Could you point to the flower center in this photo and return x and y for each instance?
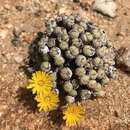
(41, 82)
(47, 98)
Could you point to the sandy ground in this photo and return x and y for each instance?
(26, 18)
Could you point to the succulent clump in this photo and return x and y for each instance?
(79, 55)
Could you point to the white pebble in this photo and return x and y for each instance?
(106, 7)
(18, 59)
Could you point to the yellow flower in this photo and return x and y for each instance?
(41, 82)
(72, 114)
(48, 101)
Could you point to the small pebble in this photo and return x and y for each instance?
(106, 7)
(18, 59)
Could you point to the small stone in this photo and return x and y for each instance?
(3, 108)
(106, 7)
(3, 34)
(18, 59)
(62, 9)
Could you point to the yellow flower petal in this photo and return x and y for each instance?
(72, 114)
(47, 102)
(41, 82)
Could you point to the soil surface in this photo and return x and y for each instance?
(20, 20)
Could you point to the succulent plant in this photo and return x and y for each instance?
(69, 99)
(59, 60)
(51, 42)
(73, 93)
(80, 60)
(88, 50)
(46, 57)
(68, 87)
(94, 85)
(68, 55)
(105, 80)
(77, 54)
(84, 80)
(66, 73)
(74, 50)
(44, 50)
(99, 94)
(45, 66)
(55, 51)
(101, 74)
(93, 74)
(96, 33)
(85, 94)
(80, 71)
(89, 36)
(75, 83)
(76, 42)
(98, 62)
(101, 51)
(63, 45)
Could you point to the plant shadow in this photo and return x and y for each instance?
(27, 99)
(56, 117)
(33, 61)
